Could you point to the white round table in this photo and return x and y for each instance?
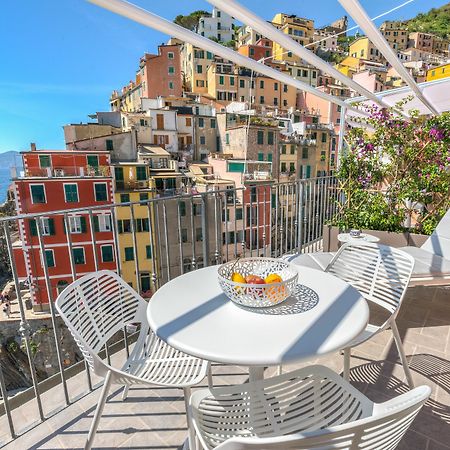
(192, 314)
(346, 237)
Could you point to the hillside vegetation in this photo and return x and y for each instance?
(435, 21)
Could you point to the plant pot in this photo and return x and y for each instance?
(393, 239)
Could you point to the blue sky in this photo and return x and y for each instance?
(60, 59)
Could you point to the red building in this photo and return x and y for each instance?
(161, 73)
(57, 180)
(261, 50)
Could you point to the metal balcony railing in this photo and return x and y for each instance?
(177, 234)
(60, 172)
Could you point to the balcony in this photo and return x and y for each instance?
(51, 396)
(60, 172)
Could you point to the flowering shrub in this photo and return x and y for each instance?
(398, 168)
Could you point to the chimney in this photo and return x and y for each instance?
(33, 147)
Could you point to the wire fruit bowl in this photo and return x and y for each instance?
(258, 295)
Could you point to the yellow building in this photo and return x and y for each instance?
(298, 28)
(222, 81)
(136, 237)
(396, 34)
(439, 72)
(195, 63)
(362, 48)
(349, 66)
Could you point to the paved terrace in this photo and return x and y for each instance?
(154, 418)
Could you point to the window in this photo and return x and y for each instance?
(252, 51)
(77, 224)
(238, 213)
(261, 84)
(270, 137)
(260, 137)
(198, 235)
(242, 83)
(275, 101)
(148, 251)
(78, 255)
(188, 121)
(171, 70)
(305, 153)
(260, 156)
(124, 226)
(184, 235)
(283, 149)
(129, 254)
(285, 88)
(221, 80)
(292, 167)
(209, 55)
(109, 145)
(170, 55)
(71, 193)
(227, 138)
(142, 225)
(201, 122)
(275, 86)
(199, 68)
(141, 173)
(261, 99)
(213, 123)
(324, 137)
(92, 160)
(171, 85)
(50, 258)
(143, 196)
(231, 81)
(102, 222)
(101, 194)
(37, 193)
(47, 227)
(124, 198)
(44, 161)
(197, 209)
(107, 253)
(283, 167)
(202, 140)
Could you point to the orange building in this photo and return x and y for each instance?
(58, 180)
(261, 50)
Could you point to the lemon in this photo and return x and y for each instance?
(273, 278)
(237, 278)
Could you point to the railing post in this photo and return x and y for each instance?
(205, 231)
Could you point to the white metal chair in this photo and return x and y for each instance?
(100, 304)
(381, 274)
(311, 408)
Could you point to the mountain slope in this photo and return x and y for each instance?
(435, 21)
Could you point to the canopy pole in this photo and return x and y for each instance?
(342, 124)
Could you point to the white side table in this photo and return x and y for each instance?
(345, 237)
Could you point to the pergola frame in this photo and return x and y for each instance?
(235, 9)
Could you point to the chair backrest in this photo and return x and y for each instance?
(95, 307)
(379, 272)
(439, 242)
(383, 430)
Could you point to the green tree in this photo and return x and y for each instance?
(191, 20)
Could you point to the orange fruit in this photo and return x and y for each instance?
(273, 278)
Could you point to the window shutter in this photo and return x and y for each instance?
(83, 224)
(51, 227)
(96, 225)
(120, 226)
(64, 225)
(33, 227)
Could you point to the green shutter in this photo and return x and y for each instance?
(120, 226)
(260, 156)
(83, 224)
(269, 157)
(148, 250)
(33, 227)
(64, 225)
(96, 225)
(92, 160)
(49, 258)
(51, 226)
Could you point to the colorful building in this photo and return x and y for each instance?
(362, 48)
(299, 29)
(439, 72)
(55, 180)
(396, 34)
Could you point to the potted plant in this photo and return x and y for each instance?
(394, 178)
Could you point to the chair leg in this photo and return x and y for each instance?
(210, 376)
(125, 392)
(401, 352)
(280, 369)
(98, 412)
(191, 432)
(347, 355)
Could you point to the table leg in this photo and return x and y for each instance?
(255, 373)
